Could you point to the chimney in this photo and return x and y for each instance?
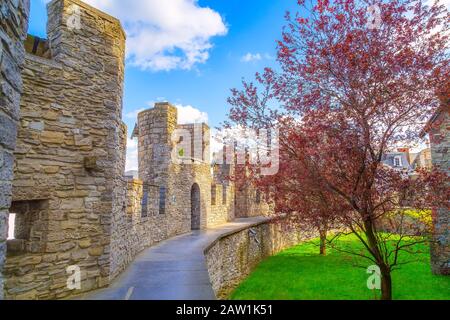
(405, 150)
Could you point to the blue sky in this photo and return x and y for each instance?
(241, 40)
(253, 27)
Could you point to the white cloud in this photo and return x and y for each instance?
(132, 155)
(133, 114)
(216, 143)
(253, 57)
(189, 114)
(250, 57)
(186, 113)
(165, 35)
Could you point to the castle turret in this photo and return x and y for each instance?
(174, 167)
(13, 27)
(68, 187)
(155, 127)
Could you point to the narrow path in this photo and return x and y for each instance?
(174, 269)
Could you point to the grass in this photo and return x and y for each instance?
(300, 273)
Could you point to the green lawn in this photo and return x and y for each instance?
(300, 273)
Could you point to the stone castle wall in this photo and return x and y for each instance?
(69, 156)
(223, 193)
(195, 142)
(13, 28)
(223, 209)
(72, 203)
(141, 228)
(155, 146)
(159, 202)
(159, 135)
(232, 257)
(118, 245)
(440, 155)
(132, 232)
(135, 189)
(249, 203)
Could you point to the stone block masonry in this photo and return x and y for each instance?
(233, 256)
(70, 157)
(440, 155)
(13, 27)
(62, 161)
(71, 202)
(156, 129)
(250, 202)
(222, 209)
(169, 198)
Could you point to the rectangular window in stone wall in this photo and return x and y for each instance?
(213, 195)
(30, 227)
(144, 207)
(162, 200)
(224, 194)
(11, 226)
(258, 196)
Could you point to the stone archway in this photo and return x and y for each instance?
(195, 207)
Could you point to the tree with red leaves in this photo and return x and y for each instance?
(357, 80)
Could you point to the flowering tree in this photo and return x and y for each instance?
(296, 190)
(357, 79)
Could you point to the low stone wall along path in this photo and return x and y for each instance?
(174, 269)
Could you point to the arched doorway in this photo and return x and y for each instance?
(195, 207)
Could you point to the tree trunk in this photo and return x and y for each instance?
(386, 280)
(323, 243)
(386, 284)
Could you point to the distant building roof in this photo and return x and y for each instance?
(397, 160)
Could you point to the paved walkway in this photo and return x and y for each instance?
(174, 269)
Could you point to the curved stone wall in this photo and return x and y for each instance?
(233, 256)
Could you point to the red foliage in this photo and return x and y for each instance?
(346, 95)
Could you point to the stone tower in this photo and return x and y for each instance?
(13, 28)
(168, 184)
(68, 183)
(156, 127)
(438, 130)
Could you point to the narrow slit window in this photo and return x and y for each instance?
(213, 195)
(27, 225)
(11, 226)
(162, 200)
(258, 196)
(144, 209)
(224, 194)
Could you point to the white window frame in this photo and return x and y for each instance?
(399, 161)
